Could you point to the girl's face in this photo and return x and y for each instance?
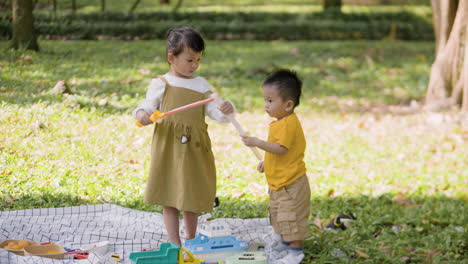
(185, 64)
(275, 106)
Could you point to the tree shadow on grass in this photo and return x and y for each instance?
(104, 99)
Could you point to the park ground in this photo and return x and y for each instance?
(371, 148)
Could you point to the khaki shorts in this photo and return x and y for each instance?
(289, 210)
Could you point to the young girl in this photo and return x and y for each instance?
(182, 172)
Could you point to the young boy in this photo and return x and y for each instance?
(284, 166)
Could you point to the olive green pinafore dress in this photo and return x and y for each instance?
(182, 172)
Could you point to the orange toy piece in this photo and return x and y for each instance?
(17, 245)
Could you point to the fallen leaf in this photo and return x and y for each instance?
(317, 222)
(26, 58)
(429, 253)
(4, 173)
(337, 239)
(128, 81)
(9, 199)
(103, 102)
(405, 259)
(402, 200)
(144, 72)
(456, 138)
(294, 51)
(408, 249)
(381, 245)
(256, 189)
(237, 193)
(61, 87)
(361, 254)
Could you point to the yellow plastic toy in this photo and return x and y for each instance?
(17, 245)
(186, 257)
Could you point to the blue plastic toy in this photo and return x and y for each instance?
(215, 249)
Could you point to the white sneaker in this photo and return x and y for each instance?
(291, 259)
(279, 246)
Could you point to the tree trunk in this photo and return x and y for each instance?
(177, 6)
(164, 2)
(448, 83)
(103, 5)
(23, 25)
(73, 2)
(134, 6)
(332, 5)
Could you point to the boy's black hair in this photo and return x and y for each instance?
(184, 37)
(288, 84)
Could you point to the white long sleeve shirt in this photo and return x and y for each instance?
(156, 88)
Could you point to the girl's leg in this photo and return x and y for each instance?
(171, 220)
(190, 222)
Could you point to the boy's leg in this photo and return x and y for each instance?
(293, 210)
(171, 221)
(190, 222)
(296, 244)
(294, 255)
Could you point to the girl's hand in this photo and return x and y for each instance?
(143, 117)
(226, 108)
(260, 167)
(250, 141)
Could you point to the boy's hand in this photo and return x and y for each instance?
(260, 167)
(143, 117)
(226, 108)
(250, 141)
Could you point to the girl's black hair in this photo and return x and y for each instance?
(184, 37)
(288, 84)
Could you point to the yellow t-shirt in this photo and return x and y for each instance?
(282, 170)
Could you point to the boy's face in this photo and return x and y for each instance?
(185, 64)
(275, 105)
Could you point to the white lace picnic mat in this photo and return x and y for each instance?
(127, 230)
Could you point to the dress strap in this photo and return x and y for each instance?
(163, 79)
(208, 93)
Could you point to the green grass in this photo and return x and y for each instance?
(403, 175)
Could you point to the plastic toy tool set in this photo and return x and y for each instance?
(214, 244)
(52, 250)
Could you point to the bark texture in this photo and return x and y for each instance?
(23, 25)
(448, 83)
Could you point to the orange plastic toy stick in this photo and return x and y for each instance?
(157, 115)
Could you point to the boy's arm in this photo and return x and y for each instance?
(260, 166)
(271, 147)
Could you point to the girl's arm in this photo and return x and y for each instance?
(218, 110)
(271, 147)
(153, 98)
